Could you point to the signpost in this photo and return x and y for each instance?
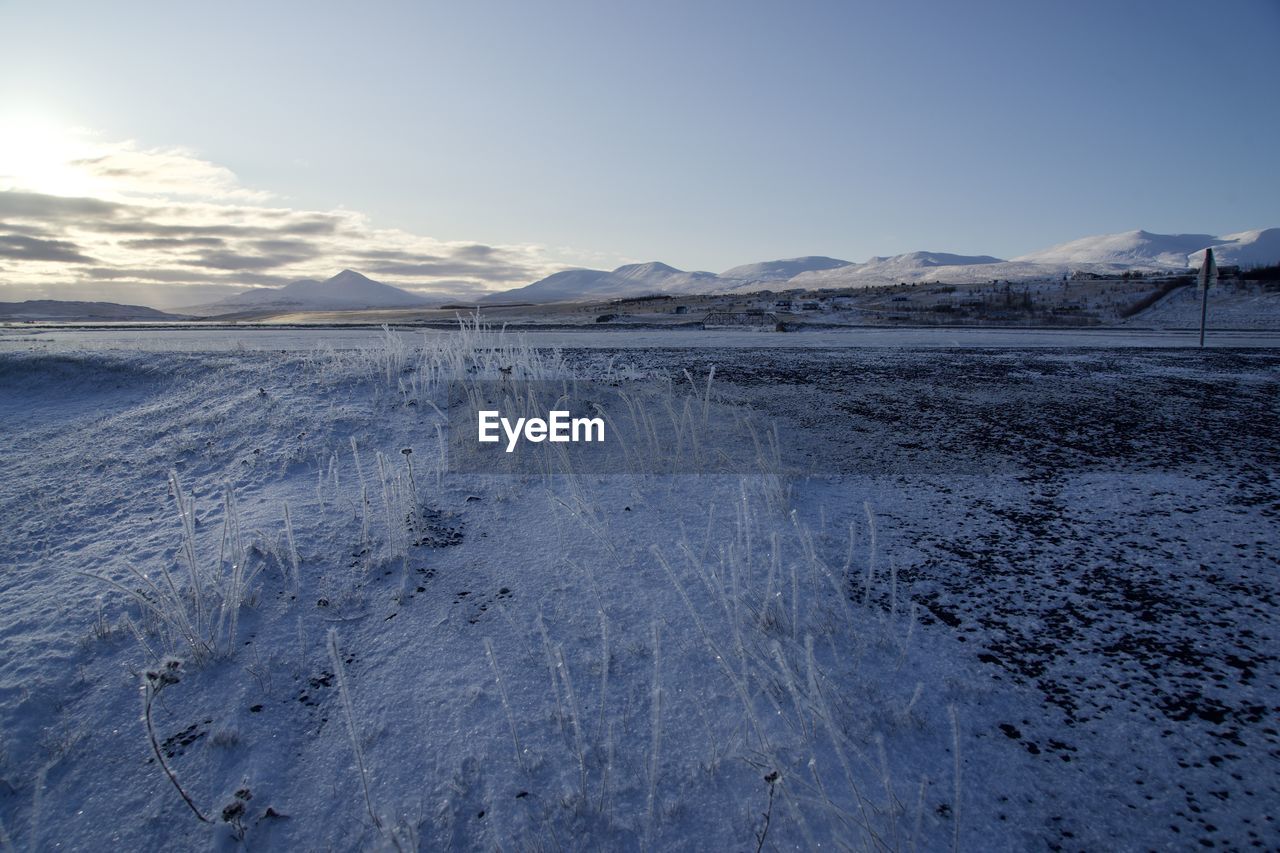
(1208, 275)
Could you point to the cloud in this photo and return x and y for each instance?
(237, 261)
(476, 251)
(301, 247)
(126, 170)
(165, 219)
(29, 205)
(25, 248)
(453, 268)
(225, 243)
(175, 243)
(179, 276)
(27, 230)
(148, 223)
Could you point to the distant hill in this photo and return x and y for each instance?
(1129, 249)
(898, 265)
(1105, 254)
(656, 277)
(346, 291)
(783, 269)
(68, 311)
(628, 280)
(1247, 249)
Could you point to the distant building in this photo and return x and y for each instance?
(682, 309)
(753, 320)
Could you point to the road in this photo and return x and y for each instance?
(196, 339)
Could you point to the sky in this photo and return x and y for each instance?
(167, 153)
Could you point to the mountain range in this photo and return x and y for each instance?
(1106, 254)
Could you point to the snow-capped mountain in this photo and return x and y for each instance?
(1143, 250)
(1105, 254)
(664, 278)
(1246, 249)
(909, 267)
(1129, 249)
(909, 264)
(783, 269)
(628, 280)
(655, 277)
(348, 290)
(915, 260)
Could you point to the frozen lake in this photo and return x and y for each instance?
(204, 339)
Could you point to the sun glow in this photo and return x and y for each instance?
(40, 155)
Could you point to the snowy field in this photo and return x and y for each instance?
(970, 589)
(1241, 307)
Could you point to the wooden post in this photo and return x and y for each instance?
(1208, 275)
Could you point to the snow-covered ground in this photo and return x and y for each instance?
(1017, 593)
(1240, 305)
